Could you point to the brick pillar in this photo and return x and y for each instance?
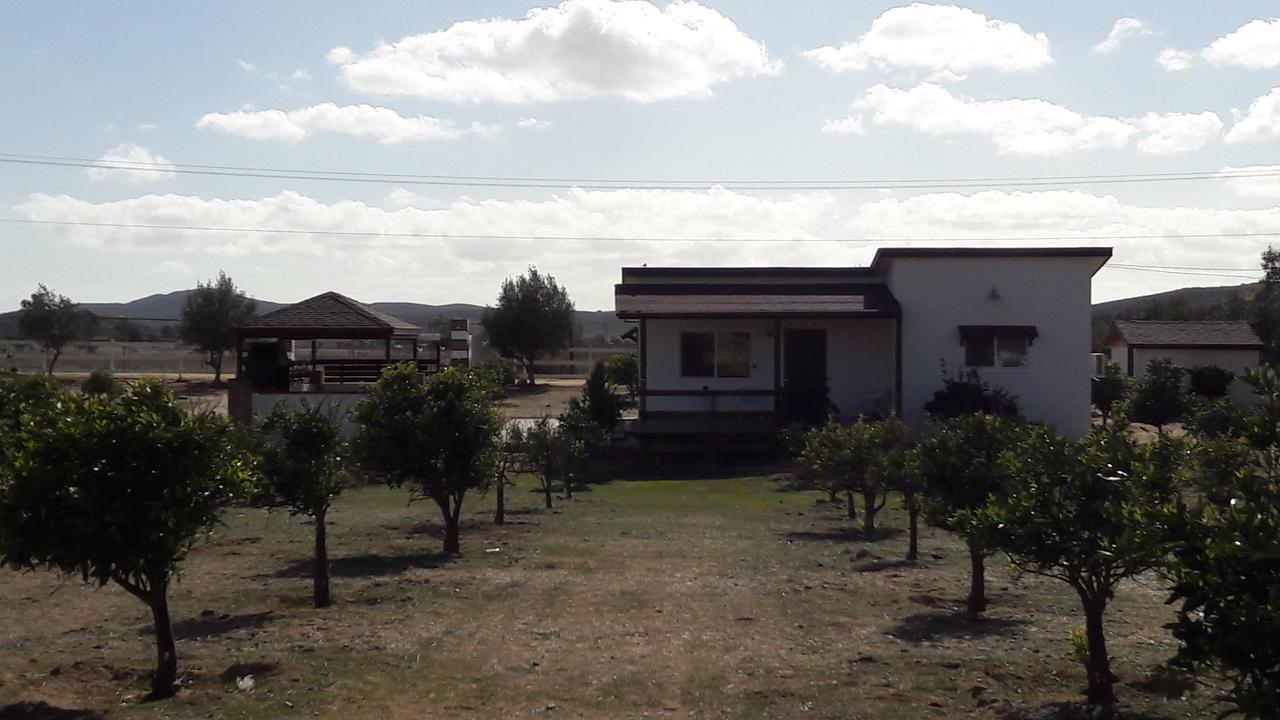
(240, 401)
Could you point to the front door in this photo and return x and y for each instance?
(804, 362)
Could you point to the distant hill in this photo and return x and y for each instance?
(155, 311)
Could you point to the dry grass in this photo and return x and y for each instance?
(721, 598)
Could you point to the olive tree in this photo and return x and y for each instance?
(533, 318)
(302, 461)
(1074, 512)
(963, 469)
(54, 321)
(210, 315)
(118, 490)
(439, 436)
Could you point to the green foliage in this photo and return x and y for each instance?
(497, 374)
(599, 402)
(1264, 307)
(54, 321)
(1221, 418)
(863, 458)
(559, 453)
(533, 318)
(1074, 512)
(623, 370)
(963, 469)
(118, 490)
(210, 314)
(1224, 551)
(1210, 381)
(438, 436)
(969, 394)
(1158, 398)
(582, 438)
(101, 382)
(125, 331)
(1110, 390)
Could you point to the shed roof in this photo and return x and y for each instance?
(1229, 334)
(635, 300)
(328, 315)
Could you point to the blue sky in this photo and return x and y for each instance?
(592, 89)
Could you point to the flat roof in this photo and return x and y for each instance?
(737, 300)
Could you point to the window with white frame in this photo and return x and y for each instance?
(715, 354)
(996, 346)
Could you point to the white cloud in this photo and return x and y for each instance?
(1175, 60)
(534, 123)
(1169, 133)
(1017, 127)
(1024, 126)
(301, 75)
(1260, 181)
(379, 123)
(1260, 123)
(469, 270)
(1123, 29)
(176, 268)
(946, 40)
(1254, 45)
(247, 66)
(576, 50)
(133, 163)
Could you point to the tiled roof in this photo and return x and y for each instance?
(331, 311)
(1188, 333)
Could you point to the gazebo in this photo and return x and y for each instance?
(269, 348)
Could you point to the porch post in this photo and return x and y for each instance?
(388, 349)
(239, 355)
(642, 350)
(777, 368)
(897, 365)
(313, 353)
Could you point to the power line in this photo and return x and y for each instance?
(636, 184)
(1166, 271)
(612, 238)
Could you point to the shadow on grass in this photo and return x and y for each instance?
(923, 627)
(210, 626)
(883, 565)
(1078, 711)
(44, 711)
(368, 565)
(845, 534)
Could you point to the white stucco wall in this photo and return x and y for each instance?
(1237, 361)
(1052, 293)
(859, 363)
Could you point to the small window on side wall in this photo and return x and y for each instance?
(733, 354)
(996, 346)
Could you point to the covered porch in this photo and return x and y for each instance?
(730, 361)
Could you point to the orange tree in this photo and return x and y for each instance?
(439, 436)
(118, 490)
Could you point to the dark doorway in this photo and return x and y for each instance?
(804, 359)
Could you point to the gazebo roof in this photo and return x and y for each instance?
(328, 316)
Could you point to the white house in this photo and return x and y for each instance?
(1229, 344)
(739, 349)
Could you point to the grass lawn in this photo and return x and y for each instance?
(699, 598)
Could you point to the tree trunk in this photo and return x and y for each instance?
(568, 486)
(165, 680)
(977, 601)
(321, 571)
(500, 514)
(528, 370)
(1097, 665)
(546, 492)
(869, 510)
(57, 353)
(913, 526)
(452, 546)
(851, 510)
(215, 362)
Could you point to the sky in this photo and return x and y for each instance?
(423, 152)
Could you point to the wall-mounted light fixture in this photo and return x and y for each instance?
(994, 294)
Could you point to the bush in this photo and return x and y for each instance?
(1222, 418)
(969, 394)
(624, 371)
(496, 374)
(598, 401)
(1210, 381)
(1109, 391)
(101, 382)
(1158, 398)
